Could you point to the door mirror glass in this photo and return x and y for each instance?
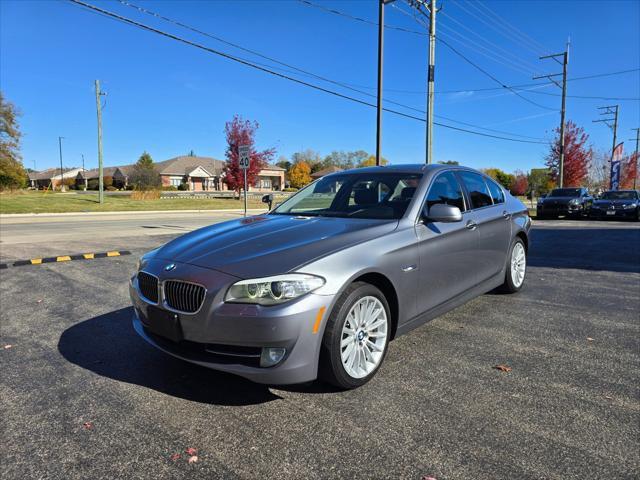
(441, 212)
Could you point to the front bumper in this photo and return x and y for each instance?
(616, 213)
(227, 337)
(561, 210)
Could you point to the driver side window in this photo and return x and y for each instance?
(446, 189)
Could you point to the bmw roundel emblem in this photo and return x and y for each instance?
(169, 267)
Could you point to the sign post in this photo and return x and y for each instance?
(244, 160)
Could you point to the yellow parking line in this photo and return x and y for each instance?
(36, 261)
(64, 258)
(113, 254)
(87, 256)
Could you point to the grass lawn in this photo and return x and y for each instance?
(41, 202)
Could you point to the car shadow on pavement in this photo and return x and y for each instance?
(108, 346)
(607, 249)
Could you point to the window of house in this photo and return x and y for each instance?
(175, 181)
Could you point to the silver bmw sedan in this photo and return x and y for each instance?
(321, 284)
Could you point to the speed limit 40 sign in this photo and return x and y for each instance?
(244, 157)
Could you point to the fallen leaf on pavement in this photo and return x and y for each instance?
(40, 301)
(193, 459)
(174, 457)
(88, 425)
(428, 477)
(191, 451)
(608, 397)
(7, 346)
(589, 339)
(503, 368)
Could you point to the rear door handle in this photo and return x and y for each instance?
(506, 214)
(471, 225)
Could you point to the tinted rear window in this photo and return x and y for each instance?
(496, 192)
(477, 188)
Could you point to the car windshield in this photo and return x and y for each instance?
(565, 192)
(373, 195)
(619, 196)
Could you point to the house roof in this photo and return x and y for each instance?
(106, 171)
(326, 171)
(50, 173)
(185, 164)
(275, 167)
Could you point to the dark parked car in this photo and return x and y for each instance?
(617, 204)
(567, 202)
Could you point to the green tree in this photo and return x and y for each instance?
(144, 175)
(283, 162)
(539, 181)
(503, 178)
(12, 172)
(449, 162)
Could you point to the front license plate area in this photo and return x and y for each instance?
(609, 212)
(163, 323)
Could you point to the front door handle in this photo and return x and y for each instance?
(506, 214)
(471, 225)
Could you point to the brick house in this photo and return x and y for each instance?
(50, 178)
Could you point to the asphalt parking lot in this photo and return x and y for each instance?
(83, 397)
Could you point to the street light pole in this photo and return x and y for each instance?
(61, 171)
(431, 79)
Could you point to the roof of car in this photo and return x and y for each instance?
(402, 168)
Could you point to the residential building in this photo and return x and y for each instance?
(50, 178)
(325, 171)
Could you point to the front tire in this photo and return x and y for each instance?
(516, 267)
(356, 337)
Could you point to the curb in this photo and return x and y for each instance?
(65, 258)
(125, 212)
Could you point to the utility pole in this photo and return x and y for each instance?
(61, 171)
(83, 174)
(635, 176)
(381, 4)
(610, 110)
(565, 62)
(99, 112)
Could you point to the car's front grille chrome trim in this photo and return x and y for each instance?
(182, 296)
(148, 287)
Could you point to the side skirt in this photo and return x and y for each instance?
(443, 308)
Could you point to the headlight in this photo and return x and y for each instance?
(142, 261)
(273, 290)
(574, 201)
(630, 206)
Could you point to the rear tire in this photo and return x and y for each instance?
(349, 360)
(516, 269)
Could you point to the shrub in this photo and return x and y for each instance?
(170, 188)
(183, 186)
(145, 195)
(289, 189)
(111, 188)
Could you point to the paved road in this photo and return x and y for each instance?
(569, 409)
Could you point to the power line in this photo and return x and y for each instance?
(491, 76)
(422, 92)
(148, 28)
(583, 96)
(306, 72)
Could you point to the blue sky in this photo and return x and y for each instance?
(168, 98)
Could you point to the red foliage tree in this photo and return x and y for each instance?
(629, 172)
(520, 184)
(577, 156)
(242, 132)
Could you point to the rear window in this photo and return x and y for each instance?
(477, 188)
(496, 192)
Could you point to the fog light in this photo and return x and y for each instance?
(271, 356)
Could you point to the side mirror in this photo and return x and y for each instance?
(444, 213)
(268, 199)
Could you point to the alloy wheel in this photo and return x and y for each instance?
(364, 337)
(518, 264)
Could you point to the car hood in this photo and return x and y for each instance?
(614, 202)
(269, 244)
(558, 200)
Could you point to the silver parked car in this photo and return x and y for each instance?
(322, 283)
